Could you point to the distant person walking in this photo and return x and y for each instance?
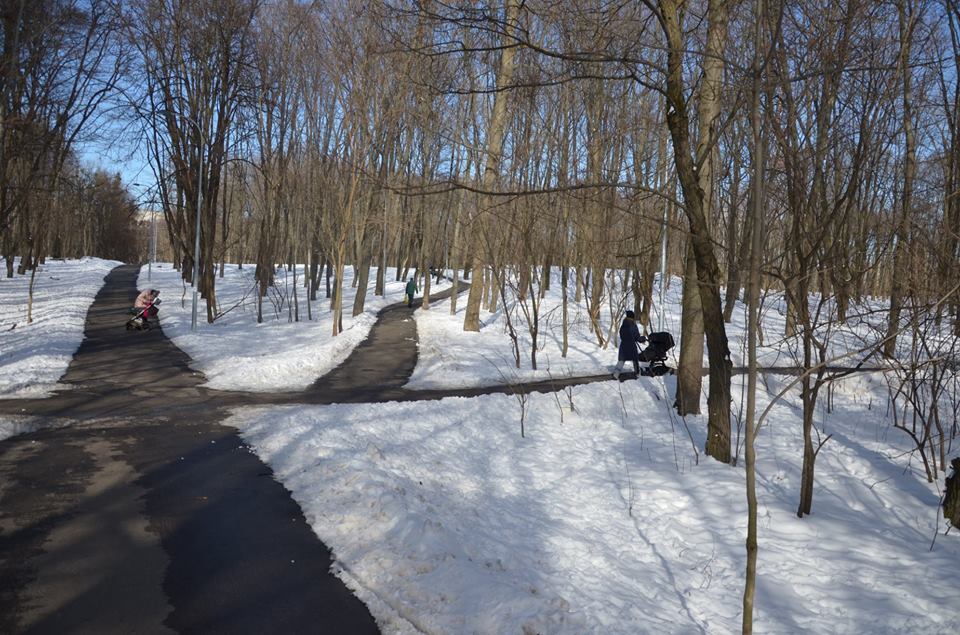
(411, 290)
(630, 340)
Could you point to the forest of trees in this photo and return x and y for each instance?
(507, 139)
(809, 147)
(500, 140)
(59, 68)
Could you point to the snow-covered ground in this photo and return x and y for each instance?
(444, 520)
(236, 353)
(604, 518)
(33, 357)
(452, 358)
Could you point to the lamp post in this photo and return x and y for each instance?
(196, 244)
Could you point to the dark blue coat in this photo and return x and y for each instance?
(629, 339)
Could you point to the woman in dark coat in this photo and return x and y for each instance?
(630, 340)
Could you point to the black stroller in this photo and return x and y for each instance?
(658, 344)
(141, 315)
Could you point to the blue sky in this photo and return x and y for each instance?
(115, 153)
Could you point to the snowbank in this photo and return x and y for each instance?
(33, 357)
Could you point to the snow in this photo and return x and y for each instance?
(603, 520)
(452, 358)
(33, 357)
(279, 354)
(606, 517)
(10, 426)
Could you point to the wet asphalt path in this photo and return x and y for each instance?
(135, 511)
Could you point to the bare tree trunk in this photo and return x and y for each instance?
(425, 299)
(595, 298)
(309, 275)
(753, 301)
(696, 206)
(327, 278)
(906, 11)
(733, 259)
(339, 260)
(455, 254)
(363, 278)
(564, 292)
(491, 170)
(690, 370)
(809, 454)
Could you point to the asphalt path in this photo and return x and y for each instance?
(134, 510)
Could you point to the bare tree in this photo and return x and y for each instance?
(60, 63)
(194, 62)
(689, 165)
(494, 149)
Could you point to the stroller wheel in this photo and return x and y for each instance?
(129, 326)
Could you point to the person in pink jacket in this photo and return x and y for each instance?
(146, 300)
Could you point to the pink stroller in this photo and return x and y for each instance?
(144, 309)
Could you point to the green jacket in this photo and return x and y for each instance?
(411, 286)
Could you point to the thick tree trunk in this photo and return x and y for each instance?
(951, 497)
(708, 270)
(363, 278)
(595, 300)
(690, 371)
(425, 300)
(495, 276)
(327, 274)
(790, 313)
(314, 273)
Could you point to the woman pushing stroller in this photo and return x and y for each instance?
(630, 341)
(146, 300)
(144, 308)
(655, 354)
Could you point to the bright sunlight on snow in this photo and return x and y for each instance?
(605, 517)
(35, 355)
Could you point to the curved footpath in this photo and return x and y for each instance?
(144, 514)
(135, 510)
